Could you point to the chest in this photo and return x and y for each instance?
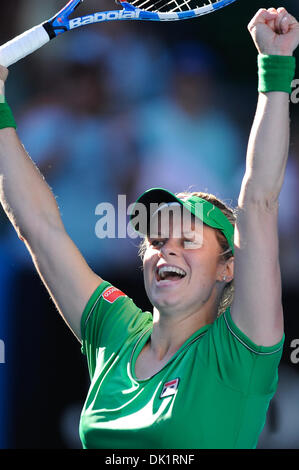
(182, 406)
(147, 365)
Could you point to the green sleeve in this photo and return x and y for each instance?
(109, 319)
(239, 362)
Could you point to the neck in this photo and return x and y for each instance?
(171, 329)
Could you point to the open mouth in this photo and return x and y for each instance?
(169, 273)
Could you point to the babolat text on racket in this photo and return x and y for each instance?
(150, 10)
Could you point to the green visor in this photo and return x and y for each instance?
(204, 210)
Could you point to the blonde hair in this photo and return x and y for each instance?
(226, 253)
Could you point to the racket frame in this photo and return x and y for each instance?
(36, 37)
(61, 23)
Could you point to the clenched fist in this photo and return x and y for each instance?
(274, 31)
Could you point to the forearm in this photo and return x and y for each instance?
(24, 194)
(276, 36)
(268, 148)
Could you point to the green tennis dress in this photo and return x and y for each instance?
(213, 393)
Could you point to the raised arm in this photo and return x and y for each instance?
(32, 209)
(257, 308)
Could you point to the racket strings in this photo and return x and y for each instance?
(159, 5)
(171, 5)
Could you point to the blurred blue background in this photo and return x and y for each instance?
(114, 109)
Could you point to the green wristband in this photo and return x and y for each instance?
(276, 73)
(6, 116)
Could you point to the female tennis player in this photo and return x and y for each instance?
(199, 372)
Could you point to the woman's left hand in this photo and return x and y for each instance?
(274, 32)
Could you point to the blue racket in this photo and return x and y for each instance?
(150, 10)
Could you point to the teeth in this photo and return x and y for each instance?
(172, 269)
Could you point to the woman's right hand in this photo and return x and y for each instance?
(3, 77)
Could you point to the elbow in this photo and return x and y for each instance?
(24, 232)
(258, 196)
(259, 202)
(36, 228)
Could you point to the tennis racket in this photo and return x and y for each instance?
(152, 10)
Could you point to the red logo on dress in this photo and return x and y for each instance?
(112, 293)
